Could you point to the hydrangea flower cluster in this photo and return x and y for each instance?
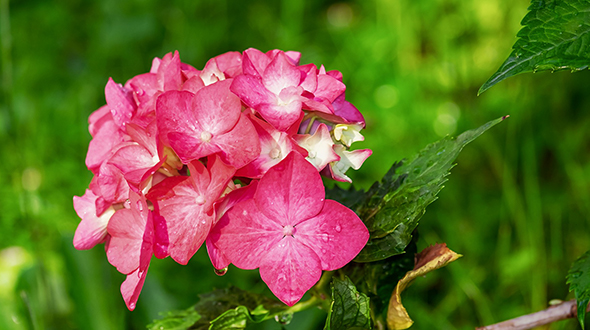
(229, 156)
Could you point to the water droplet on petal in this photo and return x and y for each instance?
(127, 204)
(338, 228)
(139, 206)
(221, 272)
(131, 305)
(325, 237)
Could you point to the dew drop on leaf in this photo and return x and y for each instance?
(221, 272)
(284, 318)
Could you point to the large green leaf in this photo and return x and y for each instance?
(230, 308)
(555, 35)
(393, 206)
(579, 280)
(350, 308)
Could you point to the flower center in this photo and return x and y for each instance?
(205, 136)
(288, 230)
(275, 153)
(200, 200)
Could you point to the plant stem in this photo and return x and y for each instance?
(555, 313)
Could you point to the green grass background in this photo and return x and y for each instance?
(516, 206)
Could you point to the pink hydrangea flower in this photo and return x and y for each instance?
(289, 230)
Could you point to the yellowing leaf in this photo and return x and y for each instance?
(431, 258)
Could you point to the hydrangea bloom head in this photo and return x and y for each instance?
(183, 157)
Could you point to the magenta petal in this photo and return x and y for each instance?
(189, 148)
(290, 269)
(245, 235)
(113, 186)
(216, 108)
(336, 235)
(281, 116)
(134, 161)
(102, 144)
(131, 287)
(291, 191)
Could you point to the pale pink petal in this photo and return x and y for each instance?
(291, 191)
(92, 229)
(336, 235)
(319, 147)
(134, 161)
(290, 269)
(329, 88)
(310, 80)
(281, 115)
(348, 159)
(245, 235)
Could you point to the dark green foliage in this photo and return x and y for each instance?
(230, 308)
(350, 308)
(392, 207)
(555, 36)
(579, 280)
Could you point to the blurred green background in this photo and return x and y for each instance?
(516, 206)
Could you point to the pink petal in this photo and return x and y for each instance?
(131, 287)
(174, 114)
(98, 118)
(113, 186)
(240, 145)
(105, 139)
(245, 235)
(336, 235)
(291, 191)
(128, 229)
(251, 91)
(290, 269)
(190, 148)
(120, 101)
(280, 74)
(169, 75)
(218, 259)
(92, 229)
(217, 110)
(329, 88)
(254, 62)
(134, 161)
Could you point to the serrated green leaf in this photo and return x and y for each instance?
(579, 280)
(350, 308)
(230, 308)
(555, 36)
(393, 206)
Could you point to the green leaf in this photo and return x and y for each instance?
(349, 309)
(579, 280)
(176, 320)
(230, 308)
(555, 36)
(393, 206)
